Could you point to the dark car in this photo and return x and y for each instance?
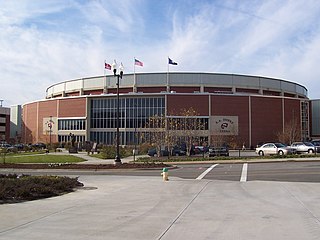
(39, 145)
(218, 151)
(177, 151)
(316, 143)
(8, 147)
(153, 152)
(21, 146)
(201, 149)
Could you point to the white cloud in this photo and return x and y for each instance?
(45, 42)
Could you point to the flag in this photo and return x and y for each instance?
(107, 66)
(172, 62)
(137, 62)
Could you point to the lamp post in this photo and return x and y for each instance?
(119, 75)
(135, 132)
(50, 130)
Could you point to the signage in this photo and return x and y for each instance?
(224, 125)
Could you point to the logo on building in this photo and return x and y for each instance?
(49, 125)
(224, 125)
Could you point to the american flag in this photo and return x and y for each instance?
(107, 66)
(137, 62)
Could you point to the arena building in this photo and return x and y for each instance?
(252, 109)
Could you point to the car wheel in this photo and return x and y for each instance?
(177, 154)
(155, 155)
(281, 153)
(261, 153)
(310, 151)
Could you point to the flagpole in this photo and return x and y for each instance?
(134, 71)
(105, 76)
(104, 69)
(134, 75)
(168, 75)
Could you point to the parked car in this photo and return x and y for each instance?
(177, 151)
(316, 142)
(39, 145)
(8, 147)
(201, 149)
(153, 152)
(274, 149)
(218, 151)
(304, 147)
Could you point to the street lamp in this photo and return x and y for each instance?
(50, 130)
(119, 75)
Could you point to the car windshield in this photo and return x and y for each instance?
(309, 144)
(316, 143)
(279, 145)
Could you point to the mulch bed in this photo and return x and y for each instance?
(84, 166)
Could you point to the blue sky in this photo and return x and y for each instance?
(46, 42)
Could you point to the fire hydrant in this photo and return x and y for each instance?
(165, 174)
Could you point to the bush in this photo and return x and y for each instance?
(15, 188)
(144, 148)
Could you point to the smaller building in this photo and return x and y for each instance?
(4, 124)
(15, 123)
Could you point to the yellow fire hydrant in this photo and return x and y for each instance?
(165, 174)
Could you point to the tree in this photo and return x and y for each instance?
(167, 132)
(155, 132)
(189, 127)
(291, 132)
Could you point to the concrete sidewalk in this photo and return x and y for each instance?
(144, 208)
(90, 159)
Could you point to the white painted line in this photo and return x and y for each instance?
(244, 173)
(202, 175)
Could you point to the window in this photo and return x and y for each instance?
(133, 113)
(71, 124)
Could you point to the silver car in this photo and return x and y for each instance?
(274, 149)
(303, 147)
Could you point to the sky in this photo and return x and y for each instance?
(46, 42)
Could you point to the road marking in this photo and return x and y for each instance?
(202, 175)
(244, 173)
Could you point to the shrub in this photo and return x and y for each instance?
(15, 188)
(144, 148)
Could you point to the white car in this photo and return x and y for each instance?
(274, 149)
(303, 147)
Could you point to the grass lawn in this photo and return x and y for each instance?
(45, 158)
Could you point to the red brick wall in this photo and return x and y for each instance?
(178, 102)
(72, 107)
(7, 131)
(45, 110)
(266, 118)
(29, 123)
(291, 110)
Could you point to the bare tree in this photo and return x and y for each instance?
(169, 131)
(291, 132)
(155, 132)
(189, 127)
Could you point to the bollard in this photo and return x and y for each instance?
(165, 174)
